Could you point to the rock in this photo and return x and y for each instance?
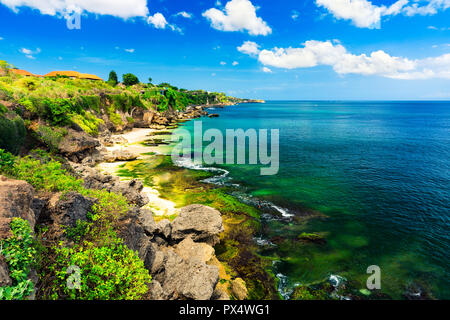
(5, 280)
(202, 223)
(189, 279)
(77, 145)
(71, 208)
(156, 291)
(164, 228)
(187, 249)
(220, 294)
(213, 115)
(119, 155)
(132, 190)
(16, 198)
(147, 221)
(110, 140)
(239, 289)
(155, 259)
(134, 236)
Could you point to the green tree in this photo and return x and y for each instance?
(150, 80)
(130, 79)
(113, 80)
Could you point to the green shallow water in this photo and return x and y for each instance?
(378, 172)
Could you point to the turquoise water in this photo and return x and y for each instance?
(380, 174)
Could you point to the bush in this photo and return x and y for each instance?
(19, 253)
(108, 272)
(113, 80)
(51, 136)
(6, 161)
(57, 111)
(130, 79)
(12, 134)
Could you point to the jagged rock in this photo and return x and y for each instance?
(132, 190)
(189, 249)
(15, 202)
(155, 259)
(5, 280)
(77, 145)
(189, 279)
(200, 222)
(133, 234)
(220, 294)
(110, 140)
(147, 221)
(156, 291)
(71, 208)
(239, 289)
(164, 228)
(119, 155)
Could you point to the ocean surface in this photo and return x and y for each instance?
(377, 174)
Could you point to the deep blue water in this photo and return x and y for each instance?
(379, 171)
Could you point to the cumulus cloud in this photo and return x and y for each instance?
(235, 63)
(266, 70)
(238, 15)
(249, 47)
(364, 14)
(118, 8)
(316, 53)
(294, 15)
(130, 50)
(158, 21)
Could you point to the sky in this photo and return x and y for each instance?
(265, 49)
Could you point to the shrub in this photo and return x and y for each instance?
(107, 272)
(6, 161)
(130, 79)
(51, 136)
(88, 122)
(113, 80)
(12, 134)
(19, 253)
(57, 111)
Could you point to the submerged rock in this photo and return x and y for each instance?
(201, 223)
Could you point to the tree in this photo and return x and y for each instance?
(150, 80)
(130, 79)
(113, 78)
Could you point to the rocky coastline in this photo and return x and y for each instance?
(179, 255)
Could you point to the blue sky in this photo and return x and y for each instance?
(312, 49)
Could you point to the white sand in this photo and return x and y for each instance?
(159, 206)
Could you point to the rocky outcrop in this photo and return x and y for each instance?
(16, 198)
(132, 190)
(72, 207)
(77, 145)
(5, 280)
(201, 223)
(188, 249)
(119, 155)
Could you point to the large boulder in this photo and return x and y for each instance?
(16, 198)
(71, 208)
(201, 223)
(188, 279)
(120, 155)
(5, 280)
(145, 217)
(239, 289)
(132, 190)
(164, 228)
(188, 249)
(77, 145)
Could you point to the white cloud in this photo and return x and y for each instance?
(1, 38)
(266, 70)
(30, 53)
(238, 15)
(294, 15)
(130, 50)
(364, 14)
(118, 8)
(223, 63)
(185, 14)
(316, 53)
(235, 63)
(158, 21)
(249, 47)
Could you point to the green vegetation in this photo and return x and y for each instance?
(307, 293)
(108, 269)
(12, 133)
(113, 80)
(130, 79)
(19, 253)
